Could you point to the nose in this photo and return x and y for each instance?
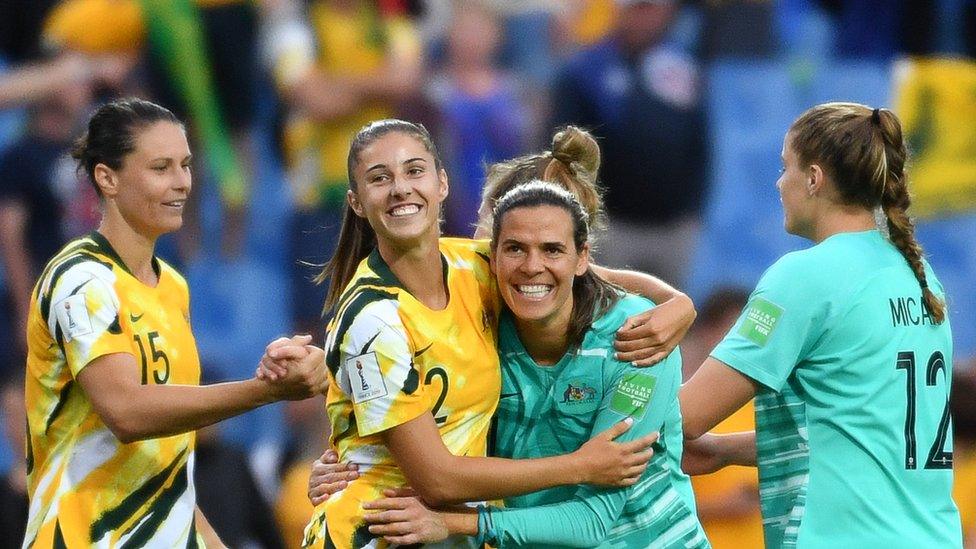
(532, 264)
(401, 187)
(184, 180)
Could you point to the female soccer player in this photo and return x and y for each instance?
(411, 349)
(560, 385)
(847, 350)
(112, 368)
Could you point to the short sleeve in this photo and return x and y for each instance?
(776, 326)
(84, 316)
(376, 370)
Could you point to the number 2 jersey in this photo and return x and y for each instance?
(86, 488)
(854, 439)
(390, 360)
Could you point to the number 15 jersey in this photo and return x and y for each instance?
(391, 359)
(86, 488)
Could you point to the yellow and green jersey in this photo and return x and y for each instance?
(86, 488)
(391, 359)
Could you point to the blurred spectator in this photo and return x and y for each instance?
(640, 95)
(13, 485)
(225, 40)
(481, 116)
(348, 65)
(200, 61)
(20, 28)
(39, 80)
(229, 496)
(309, 428)
(741, 29)
(43, 202)
(728, 501)
(881, 30)
(964, 447)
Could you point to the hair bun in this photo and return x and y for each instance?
(574, 145)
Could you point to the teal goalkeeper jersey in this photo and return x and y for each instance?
(552, 410)
(854, 438)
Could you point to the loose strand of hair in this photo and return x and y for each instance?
(356, 241)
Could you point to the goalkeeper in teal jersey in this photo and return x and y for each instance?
(848, 351)
(561, 385)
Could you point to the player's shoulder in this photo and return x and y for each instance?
(466, 249)
(79, 261)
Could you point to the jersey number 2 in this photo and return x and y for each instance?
(938, 458)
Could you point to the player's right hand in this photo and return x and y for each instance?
(329, 476)
(604, 462)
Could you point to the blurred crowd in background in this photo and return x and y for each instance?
(689, 101)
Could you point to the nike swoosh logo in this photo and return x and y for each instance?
(136, 318)
(506, 395)
(422, 351)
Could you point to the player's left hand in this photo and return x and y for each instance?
(404, 520)
(649, 337)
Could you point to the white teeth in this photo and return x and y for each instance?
(534, 290)
(175, 203)
(406, 209)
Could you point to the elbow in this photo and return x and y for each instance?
(435, 493)
(125, 426)
(692, 429)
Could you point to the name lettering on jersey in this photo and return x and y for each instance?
(633, 394)
(909, 311)
(760, 321)
(72, 315)
(365, 378)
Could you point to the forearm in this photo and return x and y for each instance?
(737, 448)
(643, 284)
(151, 411)
(574, 523)
(462, 479)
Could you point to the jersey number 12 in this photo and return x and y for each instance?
(938, 458)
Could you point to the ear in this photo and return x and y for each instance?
(583, 263)
(443, 190)
(491, 260)
(816, 179)
(354, 203)
(107, 180)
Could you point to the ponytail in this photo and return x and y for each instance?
(863, 150)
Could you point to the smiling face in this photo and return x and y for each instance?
(399, 190)
(151, 187)
(536, 261)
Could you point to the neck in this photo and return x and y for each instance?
(135, 250)
(845, 219)
(419, 269)
(545, 340)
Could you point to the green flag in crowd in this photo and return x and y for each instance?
(176, 38)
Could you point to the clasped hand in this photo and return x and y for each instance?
(293, 368)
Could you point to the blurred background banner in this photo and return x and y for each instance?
(935, 100)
